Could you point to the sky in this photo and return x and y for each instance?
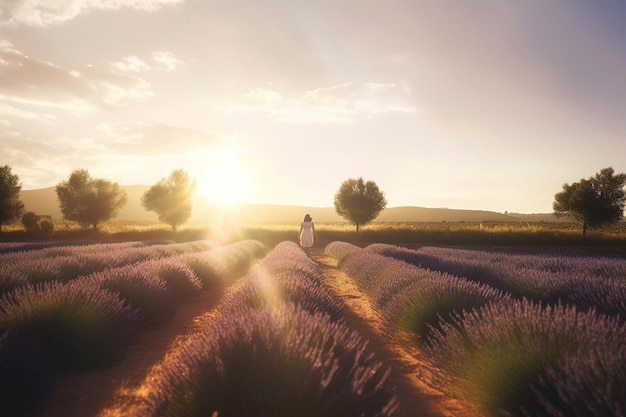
(486, 105)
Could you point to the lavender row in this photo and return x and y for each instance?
(91, 321)
(11, 247)
(25, 250)
(286, 275)
(410, 299)
(522, 358)
(597, 283)
(31, 268)
(507, 356)
(154, 248)
(220, 264)
(155, 287)
(586, 385)
(601, 266)
(278, 346)
(340, 250)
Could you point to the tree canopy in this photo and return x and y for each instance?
(171, 198)
(11, 207)
(593, 202)
(89, 201)
(359, 202)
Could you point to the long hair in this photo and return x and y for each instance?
(307, 218)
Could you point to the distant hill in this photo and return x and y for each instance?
(44, 202)
(422, 214)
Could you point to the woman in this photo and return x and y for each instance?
(307, 233)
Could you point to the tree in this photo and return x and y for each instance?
(593, 202)
(89, 201)
(359, 202)
(11, 207)
(171, 198)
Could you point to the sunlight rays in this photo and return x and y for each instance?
(224, 180)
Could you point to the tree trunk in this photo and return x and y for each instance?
(357, 228)
(584, 229)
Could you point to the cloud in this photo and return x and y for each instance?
(50, 12)
(166, 61)
(158, 139)
(17, 113)
(340, 104)
(145, 152)
(131, 64)
(29, 81)
(42, 163)
(162, 60)
(130, 153)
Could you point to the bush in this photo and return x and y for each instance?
(421, 307)
(35, 224)
(340, 250)
(10, 279)
(46, 227)
(30, 220)
(591, 384)
(179, 278)
(144, 291)
(40, 270)
(495, 354)
(82, 325)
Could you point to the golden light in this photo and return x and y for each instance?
(224, 180)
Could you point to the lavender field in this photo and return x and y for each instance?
(507, 334)
(76, 307)
(513, 334)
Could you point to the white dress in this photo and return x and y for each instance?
(306, 235)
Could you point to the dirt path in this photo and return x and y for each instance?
(111, 392)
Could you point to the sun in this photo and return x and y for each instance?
(224, 180)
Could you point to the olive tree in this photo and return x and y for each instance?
(11, 207)
(593, 202)
(171, 198)
(359, 202)
(88, 200)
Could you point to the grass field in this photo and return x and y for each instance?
(540, 234)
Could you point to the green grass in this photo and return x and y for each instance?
(405, 233)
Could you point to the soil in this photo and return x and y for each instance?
(113, 392)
